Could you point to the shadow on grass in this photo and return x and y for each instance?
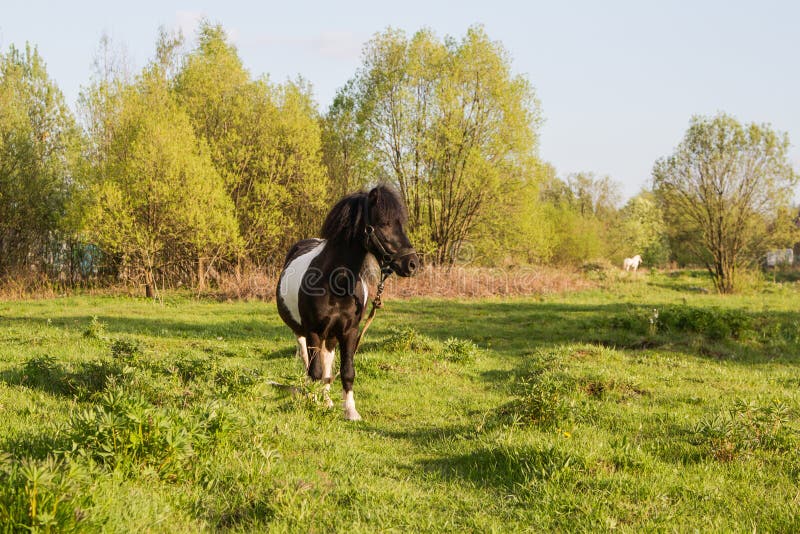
(31, 444)
(504, 467)
(45, 374)
(515, 327)
(522, 327)
(421, 436)
(159, 327)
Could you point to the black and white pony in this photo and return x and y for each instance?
(323, 289)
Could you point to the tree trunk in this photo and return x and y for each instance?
(201, 274)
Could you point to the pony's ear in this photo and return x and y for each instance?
(374, 195)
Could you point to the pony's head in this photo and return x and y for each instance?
(375, 221)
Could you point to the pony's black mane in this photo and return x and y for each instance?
(345, 222)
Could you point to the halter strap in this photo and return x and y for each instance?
(374, 245)
(385, 259)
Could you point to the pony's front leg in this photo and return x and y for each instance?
(348, 372)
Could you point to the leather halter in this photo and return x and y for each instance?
(374, 245)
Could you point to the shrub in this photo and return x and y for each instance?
(407, 339)
(747, 426)
(45, 373)
(190, 367)
(543, 396)
(42, 495)
(96, 329)
(125, 349)
(123, 432)
(712, 323)
(459, 350)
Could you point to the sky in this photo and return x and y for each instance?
(618, 81)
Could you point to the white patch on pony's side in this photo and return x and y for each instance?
(365, 287)
(292, 278)
(350, 412)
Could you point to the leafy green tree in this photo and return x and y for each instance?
(592, 195)
(39, 148)
(724, 185)
(157, 202)
(344, 146)
(265, 141)
(448, 123)
(582, 216)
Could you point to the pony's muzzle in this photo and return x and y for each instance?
(409, 265)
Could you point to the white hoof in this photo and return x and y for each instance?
(350, 412)
(351, 415)
(328, 402)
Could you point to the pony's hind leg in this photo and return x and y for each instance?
(302, 351)
(327, 354)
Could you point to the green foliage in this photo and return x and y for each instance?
(157, 200)
(48, 374)
(43, 495)
(712, 323)
(96, 329)
(123, 432)
(641, 231)
(722, 191)
(543, 395)
(409, 340)
(581, 218)
(444, 120)
(125, 350)
(39, 149)
(748, 426)
(264, 140)
(459, 350)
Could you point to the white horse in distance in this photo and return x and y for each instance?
(632, 263)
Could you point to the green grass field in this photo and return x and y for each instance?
(647, 405)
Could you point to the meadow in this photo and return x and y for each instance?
(645, 403)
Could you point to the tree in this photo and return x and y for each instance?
(264, 140)
(592, 195)
(724, 185)
(39, 148)
(345, 151)
(448, 123)
(156, 201)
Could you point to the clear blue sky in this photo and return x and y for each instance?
(618, 80)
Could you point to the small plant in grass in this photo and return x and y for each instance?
(746, 427)
(96, 329)
(543, 397)
(46, 495)
(191, 368)
(459, 350)
(46, 373)
(653, 319)
(42, 371)
(409, 340)
(125, 350)
(123, 432)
